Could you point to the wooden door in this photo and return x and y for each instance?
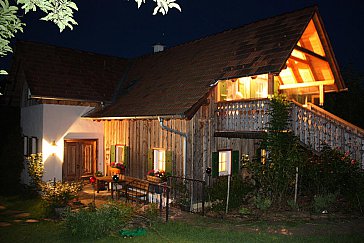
(79, 159)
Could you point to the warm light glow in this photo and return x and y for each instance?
(51, 149)
(159, 159)
(307, 69)
(263, 156)
(224, 162)
(243, 88)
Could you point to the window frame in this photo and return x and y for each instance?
(159, 165)
(228, 163)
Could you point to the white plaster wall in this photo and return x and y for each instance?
(64, 122)
(31, 123)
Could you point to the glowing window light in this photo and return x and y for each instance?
(159, 159)
(224, 162)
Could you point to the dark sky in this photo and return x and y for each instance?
(117, 27)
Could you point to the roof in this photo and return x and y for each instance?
(174, 82)
(63, 73)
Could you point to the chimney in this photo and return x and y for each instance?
(158, 48)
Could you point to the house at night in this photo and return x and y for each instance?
(197, 105)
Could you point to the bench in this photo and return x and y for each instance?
(135, 190)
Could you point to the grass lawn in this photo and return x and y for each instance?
(171, 232)
(194, 229)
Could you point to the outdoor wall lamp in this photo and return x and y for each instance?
(54, 147)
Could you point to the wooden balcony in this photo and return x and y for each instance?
(251, 115)
(312, 125)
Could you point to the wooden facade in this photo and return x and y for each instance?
(312, 125)
(142, 135)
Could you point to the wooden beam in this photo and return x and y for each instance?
(270, 84)
(321, 95)
(311, 53)
(299, 60)
(308, 84)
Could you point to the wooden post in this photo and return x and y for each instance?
(270, 85)
(321, 95)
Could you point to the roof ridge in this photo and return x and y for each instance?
(314, 7)
(39, 43)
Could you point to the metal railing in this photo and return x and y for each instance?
(188, 194)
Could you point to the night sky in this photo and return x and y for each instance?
(118, 28)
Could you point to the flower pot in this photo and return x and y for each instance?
(154, 179)
(114, 171)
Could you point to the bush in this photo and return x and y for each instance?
(240, 190)
(263, 203)
(323, 202)
(11, 151)
(58, 194)
(111, 217)
(275, 175)
(332, 172)
(35, 171)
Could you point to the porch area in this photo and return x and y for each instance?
(171, 198)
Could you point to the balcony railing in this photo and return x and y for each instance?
(312, 125)
(249, 115)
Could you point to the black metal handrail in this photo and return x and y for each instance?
(188, 193)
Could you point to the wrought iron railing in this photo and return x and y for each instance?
(188, 194)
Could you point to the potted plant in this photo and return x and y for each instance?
(117, 168)
(153, 176)
(157, 176)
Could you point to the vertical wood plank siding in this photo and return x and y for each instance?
(313, 127)
(141, 135)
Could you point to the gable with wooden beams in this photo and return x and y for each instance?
(309, 72)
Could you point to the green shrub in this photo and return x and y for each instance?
(275, 175)
(58, 194)
(244, 211)
(111, 217)
(11, 151)
(263, 203)
(240, 190)
(323, 202)
(333, 172)
(35, 171)
(152, 211)
(292, 204)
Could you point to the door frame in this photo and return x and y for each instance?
(75, 140)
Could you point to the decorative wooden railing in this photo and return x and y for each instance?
(249, 115)
(312, 125)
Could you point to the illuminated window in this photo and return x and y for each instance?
(224, 162)
(263, 156)
(159, 159)
(307, 69)
(243, 88)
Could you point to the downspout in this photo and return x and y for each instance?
(182, 134)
